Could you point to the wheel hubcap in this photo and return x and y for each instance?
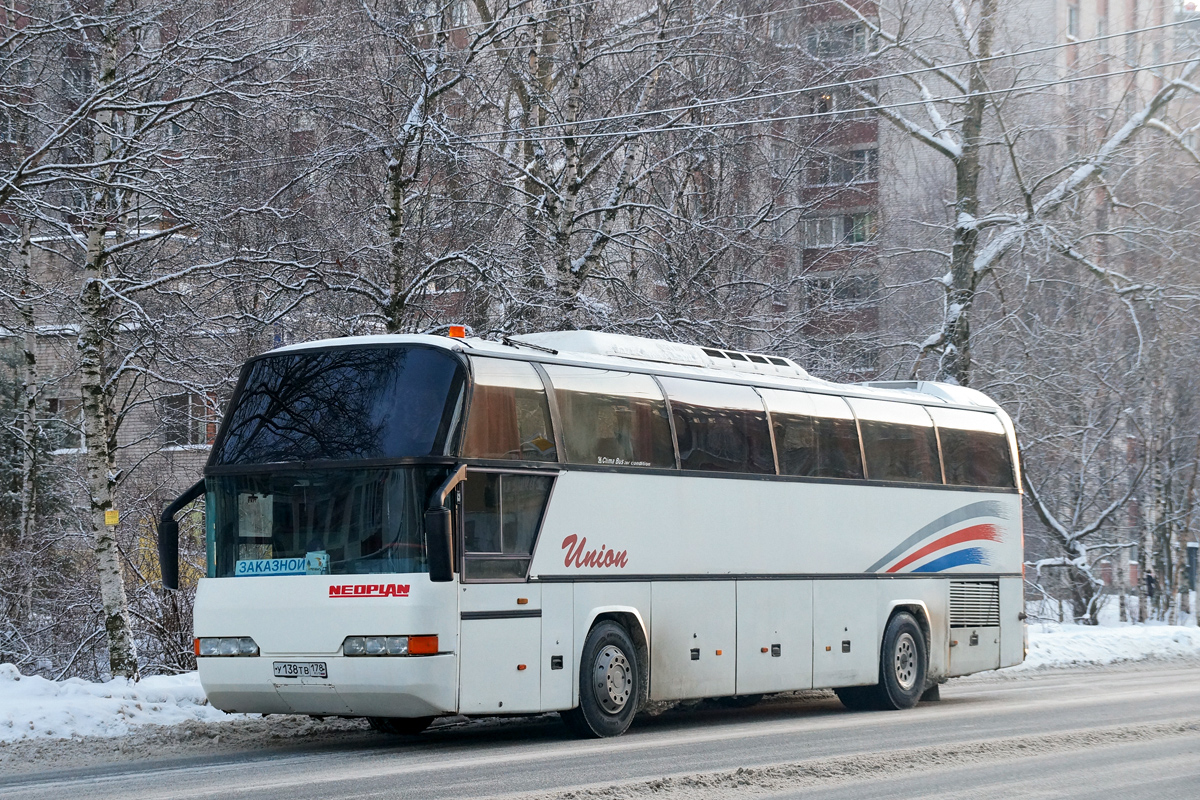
(613, 679)
(906, 661)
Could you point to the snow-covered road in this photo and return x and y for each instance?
(997, 736)
(33, 707)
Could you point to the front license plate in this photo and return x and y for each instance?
(300, 669)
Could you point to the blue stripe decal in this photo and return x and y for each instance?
(971, 555)
(986, 508)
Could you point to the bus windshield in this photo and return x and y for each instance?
(344, 404)
(320, 522)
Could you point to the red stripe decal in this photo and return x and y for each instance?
(971, 534)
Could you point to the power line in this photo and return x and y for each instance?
(836, 85)
(819, 115)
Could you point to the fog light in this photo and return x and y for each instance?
(247, 646)
(354, 646)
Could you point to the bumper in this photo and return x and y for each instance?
(415, 686)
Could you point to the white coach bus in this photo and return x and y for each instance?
(405, 527)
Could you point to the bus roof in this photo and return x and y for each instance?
(635, 353)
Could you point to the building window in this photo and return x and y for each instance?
(188, 419)
(839, 230)
(65, 425)
(1073, 21)
(776, 28)
(835, 169)
(838, 41)
(8, 132)
(830, 292)
(1102, 31)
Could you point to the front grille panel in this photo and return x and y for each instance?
(974, 604)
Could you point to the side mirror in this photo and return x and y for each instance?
(439, 544)
(168, 536)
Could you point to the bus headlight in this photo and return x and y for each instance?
(390, 646)
(226, 646)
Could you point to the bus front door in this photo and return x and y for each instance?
(500, 637)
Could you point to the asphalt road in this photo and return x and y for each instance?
(1090, 733)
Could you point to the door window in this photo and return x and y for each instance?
(501, 517)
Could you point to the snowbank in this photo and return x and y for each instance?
(33, 707)
(1056, 645)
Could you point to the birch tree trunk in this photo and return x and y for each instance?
(95, 335)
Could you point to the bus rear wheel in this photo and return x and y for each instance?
(609, 677)
(902, 665)
(399, 726)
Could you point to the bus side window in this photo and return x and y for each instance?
(501, 517)
(612, 418)
(899, 442)
(815, 435)
(975, 449)
(509, 416)
(720, 427)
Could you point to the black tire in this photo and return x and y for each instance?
(859, 698)
(609, 677)
(902, 666)
(902, 663)
(738, 701)
(399, 726)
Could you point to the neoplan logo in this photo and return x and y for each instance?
(370, 590)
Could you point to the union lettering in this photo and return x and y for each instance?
(577, 556)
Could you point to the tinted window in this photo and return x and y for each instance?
(509, 418)
(899, 442)
(341, 522)
(815, 435)
(975, 449)
(612, 418)
(501, 517)
(720, 427)
(343, 404)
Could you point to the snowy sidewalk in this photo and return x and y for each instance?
(33, 707)
(36, 708)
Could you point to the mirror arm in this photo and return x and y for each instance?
(443, 492)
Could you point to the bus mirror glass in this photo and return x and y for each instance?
(168, 552)
(438, 541)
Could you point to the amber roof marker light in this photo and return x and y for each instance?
(457, 332)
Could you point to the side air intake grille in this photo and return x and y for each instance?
(974, 604)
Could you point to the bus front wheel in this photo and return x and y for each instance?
(608, 683)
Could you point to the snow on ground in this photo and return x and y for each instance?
(34, 707)
(1055, 645)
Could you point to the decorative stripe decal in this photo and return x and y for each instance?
(974, 533)
(972, 555)
(985, 508)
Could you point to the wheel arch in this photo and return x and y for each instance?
(631, 620)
